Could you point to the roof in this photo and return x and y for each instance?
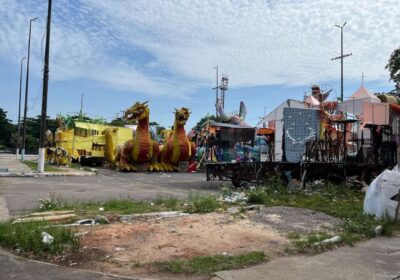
(277, 113)
(218, 124)
(362, 92)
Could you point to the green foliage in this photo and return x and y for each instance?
(203, 120)
(309, 242)
(47, 204)
(195, 204)
(27, 238)
(33, 165)
(118, 122)
(209, 264)
(202, 204)
(6, 130)
(394, 67)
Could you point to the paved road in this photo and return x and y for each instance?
(376, 259)
(22, 194)
(12, 267)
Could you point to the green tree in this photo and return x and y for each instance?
(394, 67)
(203, 120)
(6, 130)
(118, 122)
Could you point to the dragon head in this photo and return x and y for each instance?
(137, 112)
(109, 131)
(182, 115)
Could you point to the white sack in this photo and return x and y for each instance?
(377, 198)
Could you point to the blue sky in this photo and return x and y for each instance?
(119, 52)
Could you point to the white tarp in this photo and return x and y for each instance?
(378, 198)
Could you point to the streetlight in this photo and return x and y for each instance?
(19, 107)
(341, 58)
(26, 91)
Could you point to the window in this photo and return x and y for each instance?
(80, 132)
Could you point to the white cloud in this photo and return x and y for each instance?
(255, 42)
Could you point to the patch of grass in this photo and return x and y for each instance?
(27, 238)
(309, 242)
(33, 165)
(195, 204)
(202, 204)
(209, 264)
(336, 200)
(75, 165)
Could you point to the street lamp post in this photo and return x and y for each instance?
(26, 92)
(19, 108)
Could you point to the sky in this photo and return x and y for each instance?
(164, 51)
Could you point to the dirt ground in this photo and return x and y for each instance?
(130, 248)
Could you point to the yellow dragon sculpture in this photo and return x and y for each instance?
(141, 149)
(110, 149)
(178, 147)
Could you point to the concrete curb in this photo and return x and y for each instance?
(46, 174)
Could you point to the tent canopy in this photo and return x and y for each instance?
(362, 92)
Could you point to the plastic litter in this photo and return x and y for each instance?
(334, 239)
(234, 197)
(87, 222)
(47, 239)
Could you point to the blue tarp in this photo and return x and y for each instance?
(300, 126)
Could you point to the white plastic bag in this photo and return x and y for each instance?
(379, 193)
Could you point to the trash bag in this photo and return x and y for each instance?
(382, 194)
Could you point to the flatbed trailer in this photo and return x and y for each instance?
(259, 172)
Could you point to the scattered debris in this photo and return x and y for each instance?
(160, 215)
(234, 197)
(101, 220)
(332, 240)
(47, 239)
(378, 230)
(51, 216)
(86, 222)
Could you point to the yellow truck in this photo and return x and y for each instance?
(85, 142)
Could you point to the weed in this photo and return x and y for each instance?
(209, 264)
(256, 196)
(201, 204)
(48, 203)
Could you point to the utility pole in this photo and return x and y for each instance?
(26, 92)
(19, 109)
(216, 90)
(362, 79)
(45, 91)
(81, 111)
(341, 59)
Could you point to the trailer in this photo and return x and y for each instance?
(327, 158)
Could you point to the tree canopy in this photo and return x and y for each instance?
(394, 67)
(202, 121)
(6, 129)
